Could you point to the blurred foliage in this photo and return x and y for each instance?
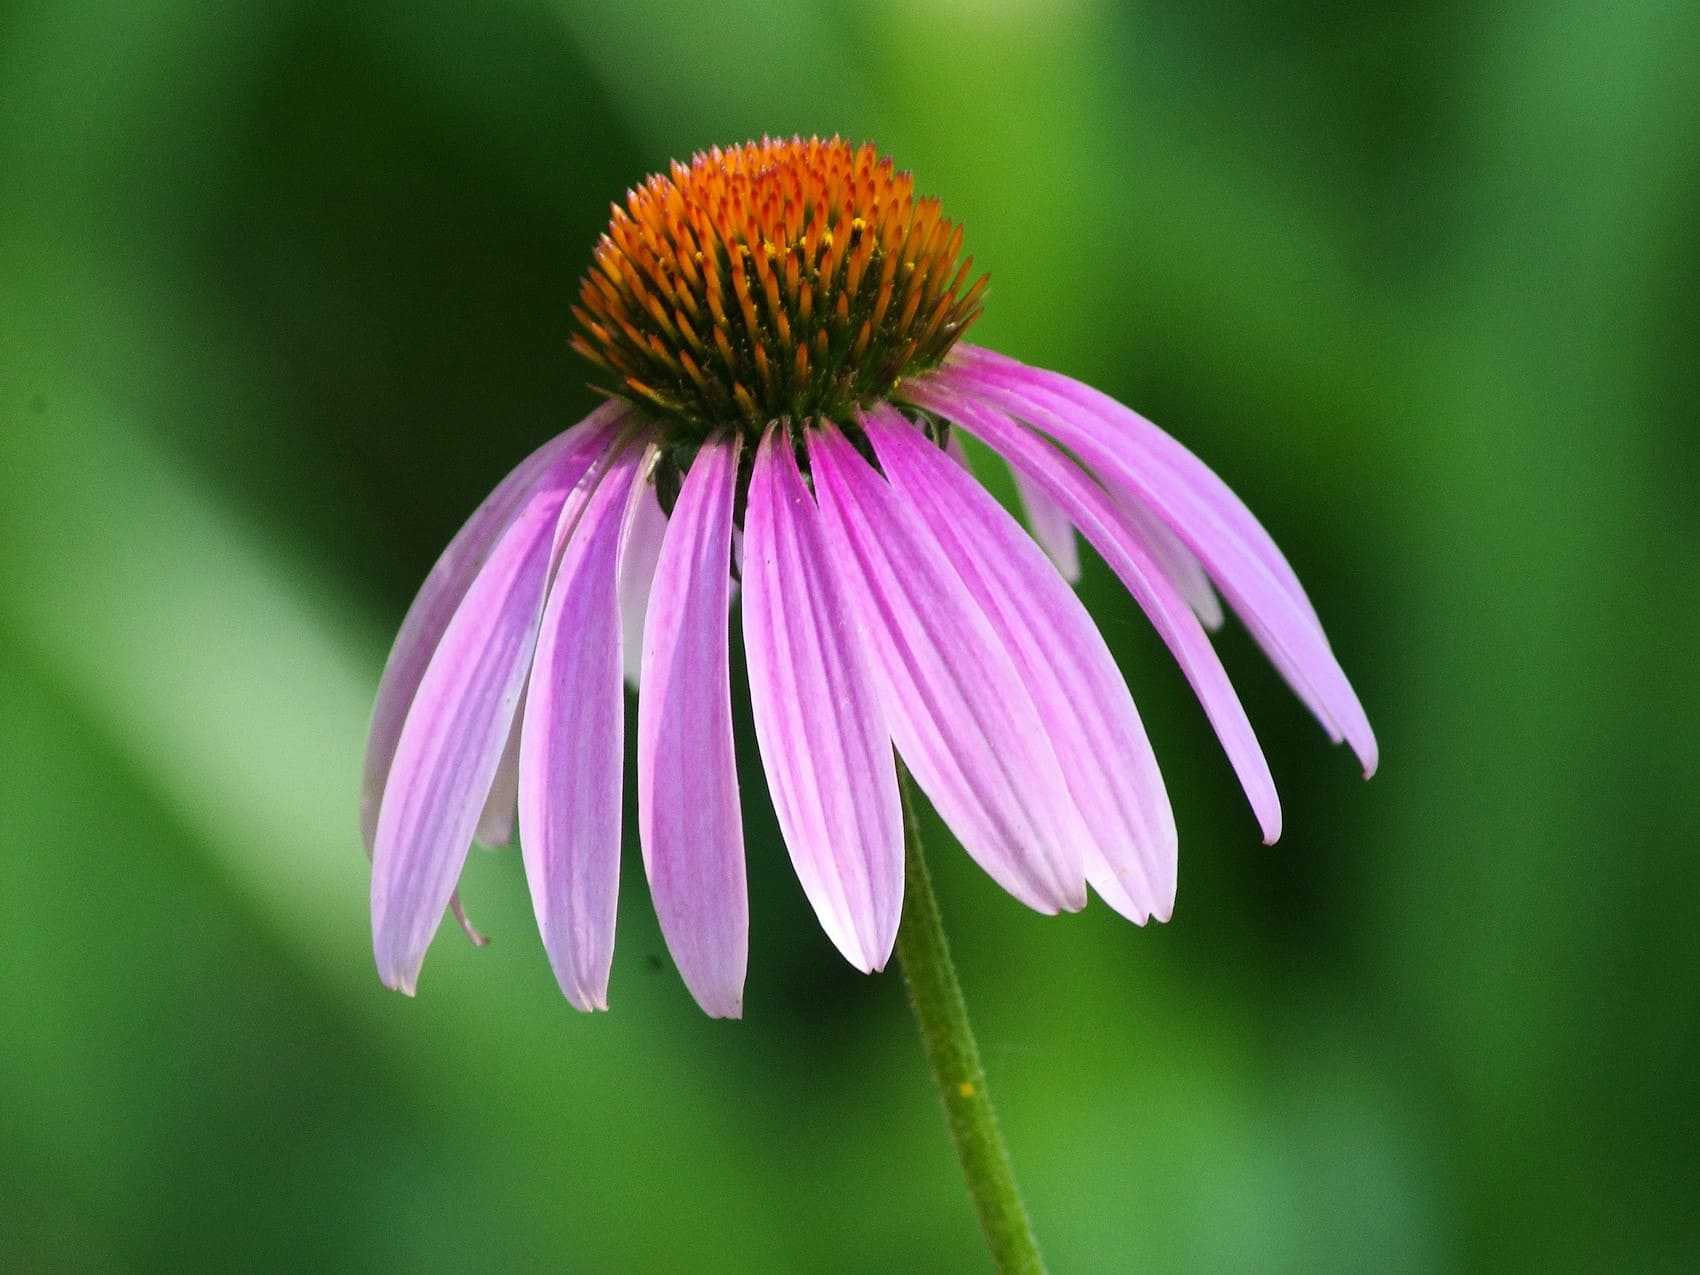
(283, 291)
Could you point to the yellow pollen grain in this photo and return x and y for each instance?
(965, 1089)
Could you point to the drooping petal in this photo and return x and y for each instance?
(692, 833)
(434, 606)
(1098, 516)
(451, 743)
(572, 745)
(1143, 440)
(1050, 526)
(1136, 460)
(824, 745)
(954, 702)
(1083, 702)
(496, 822)
(1280, 619)
(637, 573)
(956, 451)
(1177, 562)
(1189, 575)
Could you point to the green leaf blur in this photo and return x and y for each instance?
(283, 292)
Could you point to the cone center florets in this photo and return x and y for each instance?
(774, 281)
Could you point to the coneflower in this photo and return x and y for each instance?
(778, 332)
(778, 326)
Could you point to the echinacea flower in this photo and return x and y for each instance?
(779, 328)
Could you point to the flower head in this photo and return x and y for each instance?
(778, 329)
(778, 281)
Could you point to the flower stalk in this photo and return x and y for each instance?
(948, 1039)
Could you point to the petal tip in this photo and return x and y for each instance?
(406, 984)
(719, 1002)
(868, 953)
(396, 968)
(1366, 746)
(370, 797)
(1074, 900)
(1163, 908)
(587, 1002)
(879, 952)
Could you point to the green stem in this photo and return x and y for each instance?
(936, 998)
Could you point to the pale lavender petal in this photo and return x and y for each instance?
(428, 618)
(637, 573)
(496, 823)
(572, 746)
(1144, 442)
(957, 452)
(1187, 574)
(1280, 620)
(1137, 461)
(818, 719)
(451, 743)
(1083, 701)
(954, 702)
(688, 817)
(1100, 520)
(1050, 526)
(1178, 563)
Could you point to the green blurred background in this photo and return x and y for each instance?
(283, 291)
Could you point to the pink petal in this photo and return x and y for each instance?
(1143, 441)
(434, 606)
(954, 702)
(692, 833)
(1083, 702)
(1050, 526)
(1100, 520)
(1137, 461)
(823, 740)
(1177, 563)
(496, 823)
(451, 743)
(637, 573)
(956, 451)
(572, 746)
